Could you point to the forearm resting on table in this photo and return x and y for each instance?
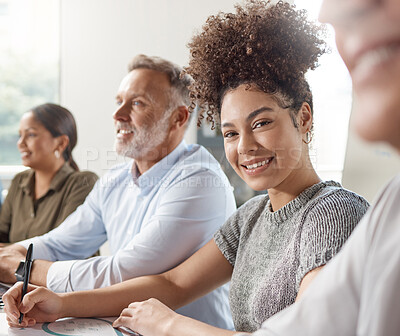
(203, 272)
(39, 267)
(10, 258)
(13, 247)
(110, 301)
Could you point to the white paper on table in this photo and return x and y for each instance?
(3, 325)
(65, 327)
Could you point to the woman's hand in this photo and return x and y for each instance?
(39, 305)
(150, 318)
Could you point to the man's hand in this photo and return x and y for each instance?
(10, 258)
(39, 305)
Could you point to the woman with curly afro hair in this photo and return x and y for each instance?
(249, 80)
(249, 72)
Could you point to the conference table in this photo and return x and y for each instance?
(65, 327)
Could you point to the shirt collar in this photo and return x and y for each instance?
(58, 180)
(157, 172)
(28, 182)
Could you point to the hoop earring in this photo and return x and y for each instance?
(308, 138)
(57, 154)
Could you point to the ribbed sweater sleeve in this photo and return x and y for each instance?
(327, 225)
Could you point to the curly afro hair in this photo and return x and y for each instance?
(269, 46)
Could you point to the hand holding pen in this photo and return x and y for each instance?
(27, 273)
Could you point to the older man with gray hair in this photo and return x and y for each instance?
(155, 210)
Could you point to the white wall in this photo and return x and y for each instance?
(368, 167)
(98, 38)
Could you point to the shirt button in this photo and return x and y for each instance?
(32, 215)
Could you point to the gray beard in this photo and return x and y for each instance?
(145, 140)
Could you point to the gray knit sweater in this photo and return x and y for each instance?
(271, 252)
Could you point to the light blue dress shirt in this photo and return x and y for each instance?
(152, 222)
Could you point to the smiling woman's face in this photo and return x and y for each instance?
(261, 142)
(368, 39)
(35, 143)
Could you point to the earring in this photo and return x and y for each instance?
(308, 138)
(57, 154)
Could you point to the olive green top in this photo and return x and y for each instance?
(22, 217)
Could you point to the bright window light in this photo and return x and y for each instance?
(332, 91)
(29, 65)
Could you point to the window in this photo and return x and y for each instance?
(29, 66)
(332, 91)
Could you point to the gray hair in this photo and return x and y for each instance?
(179, 94)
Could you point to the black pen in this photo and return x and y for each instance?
(27, 274)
